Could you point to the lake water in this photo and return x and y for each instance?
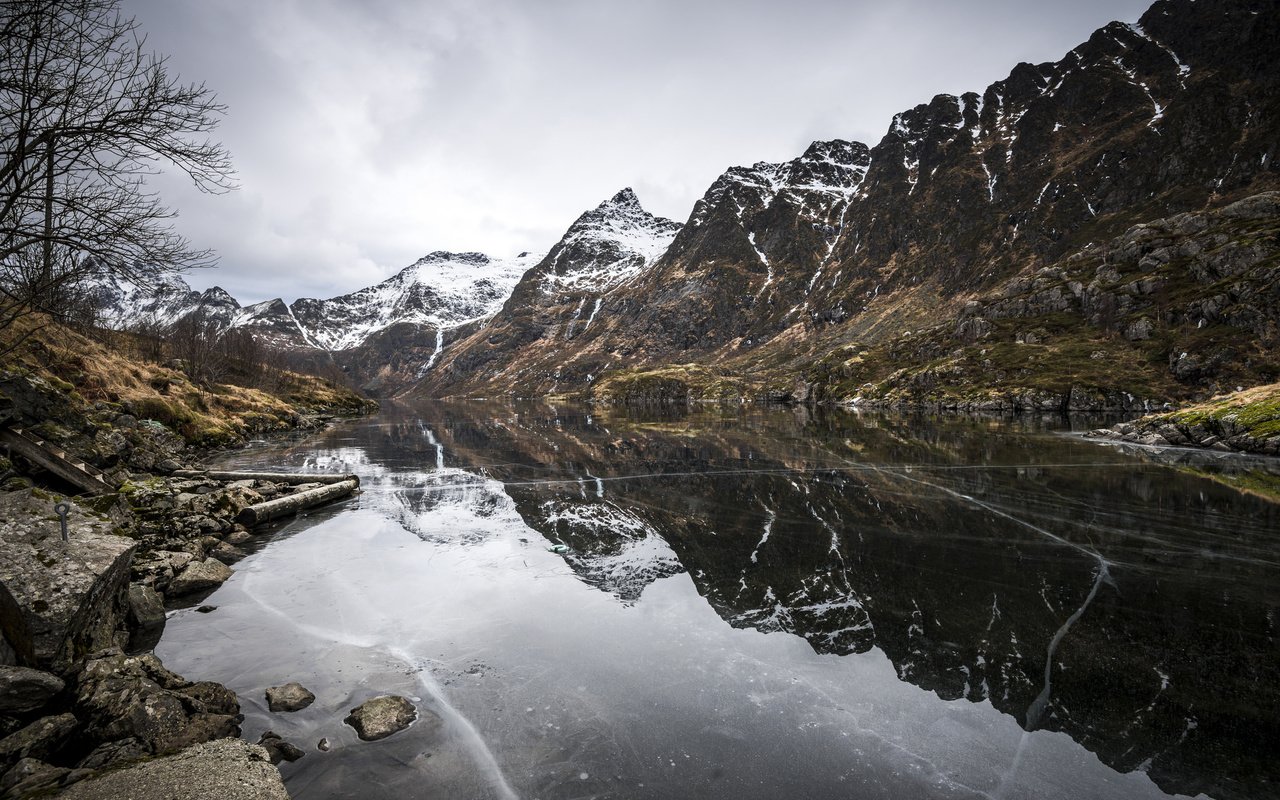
(759, 603)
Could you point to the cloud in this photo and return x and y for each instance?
(367, 135)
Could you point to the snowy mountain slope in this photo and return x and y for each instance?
(606, 247)
(125, 305)
(560, 300)
(441, 290)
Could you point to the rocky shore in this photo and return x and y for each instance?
(1241, 422)
(86, 709)
(80, 691)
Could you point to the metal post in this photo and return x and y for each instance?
(62, 509)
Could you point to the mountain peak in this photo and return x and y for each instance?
(626, 197)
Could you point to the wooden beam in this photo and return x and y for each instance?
(38, 453)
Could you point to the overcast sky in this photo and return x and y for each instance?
(367, 134)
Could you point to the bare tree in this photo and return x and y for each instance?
(86, 115)
(196, 341)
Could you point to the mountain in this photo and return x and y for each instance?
(385, 335)
(888, 273)
(126, 305)
(441, 290)
(781, 268)
(557, 302)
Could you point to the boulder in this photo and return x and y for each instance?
(59, 600)
(30, 776)
(23, 689)
(146, 607)
(290, 697)
(121, 751)
(381, 717)
(278, 749)
(198, 576)
(40, 739)
(137, 698)
(228, 769)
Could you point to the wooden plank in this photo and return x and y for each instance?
(290, 504)
(33, 452)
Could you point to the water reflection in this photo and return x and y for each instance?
(1074, 587)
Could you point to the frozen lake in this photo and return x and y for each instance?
(758, 604)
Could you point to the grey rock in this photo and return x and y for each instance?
(136, 697)
(1259, 206)
(200, 575)
(40, 739)
(226, 553)
(381, 717)
(146, 607)
(323, 745)
(278, 749)
(227, 769)
(1139, 330)
(289, 697)
(59, 600)
(121, 751)
(23, 689)
(30, 776)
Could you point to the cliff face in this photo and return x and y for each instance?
(780, 264)
(1173, 307)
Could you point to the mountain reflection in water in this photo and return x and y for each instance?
(1075, 587)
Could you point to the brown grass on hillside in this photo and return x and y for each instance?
(96, 372)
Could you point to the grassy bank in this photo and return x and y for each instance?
(60, 380)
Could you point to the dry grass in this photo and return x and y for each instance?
(92, 371)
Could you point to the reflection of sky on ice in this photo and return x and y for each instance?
(548, 687)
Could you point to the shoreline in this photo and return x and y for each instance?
(80, 617)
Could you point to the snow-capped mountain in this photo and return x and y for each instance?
(606, 247)
(441, 290)
(125, 305)
(556, 304)
(781, 265)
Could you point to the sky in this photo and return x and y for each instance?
(368, 134)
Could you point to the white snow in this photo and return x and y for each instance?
(442, 290)
(431, 362)
(594, 311)
(770, 518)
(1040, 196)
(620, 240)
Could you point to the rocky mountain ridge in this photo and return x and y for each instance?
(779, 266)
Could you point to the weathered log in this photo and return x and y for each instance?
(275, 477)
(289, 504)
